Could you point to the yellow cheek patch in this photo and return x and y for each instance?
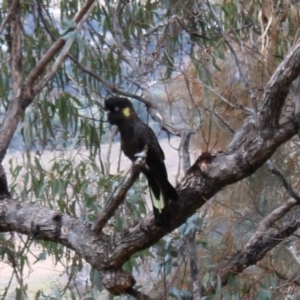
(126, 112)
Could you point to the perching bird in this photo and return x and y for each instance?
(135, 135)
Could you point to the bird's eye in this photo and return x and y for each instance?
(117, 108)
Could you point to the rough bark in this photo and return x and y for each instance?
(108, 253)
(209, 174)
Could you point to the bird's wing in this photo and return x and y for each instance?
(146, 136)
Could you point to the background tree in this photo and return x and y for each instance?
(218, 78)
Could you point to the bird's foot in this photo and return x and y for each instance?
(145, 229)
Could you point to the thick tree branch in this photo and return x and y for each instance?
(204, 179)
(278, 88)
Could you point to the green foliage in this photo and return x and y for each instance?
(57, 153)
(179, 294)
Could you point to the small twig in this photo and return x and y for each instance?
(118, 195)
(138, 295)
(172, 278)
(279, 212)
(71, 276)
(8, 285)
(41, 65)
(63, 53)
(109, 86)
(237, 61)
(217, 116)
(285, 183)
(250, 254)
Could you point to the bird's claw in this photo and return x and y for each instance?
(145, 229)
(142, 154)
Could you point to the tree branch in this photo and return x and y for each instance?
(39, 86)
(194, 264)
(237, 61)
(204, 179)
(18, 105)
(255, 251)
(139, 69)
(284, 181)
(278, 88)
(16, 47)
(117, 197)
(49, 55)
(138, 295)
(9, 14)
(258, 244)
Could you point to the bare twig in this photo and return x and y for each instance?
(237, 61)
(161, 25)
(6, 289)
(109, 86)
(217, 116)
(222, 98)
(284, 181)
(138, 295)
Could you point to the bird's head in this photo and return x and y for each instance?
(119, 110)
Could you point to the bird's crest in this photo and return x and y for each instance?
(126, 112)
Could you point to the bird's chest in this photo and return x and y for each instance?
(131, 146)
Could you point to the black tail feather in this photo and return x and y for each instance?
(172, 194)
(160, 195)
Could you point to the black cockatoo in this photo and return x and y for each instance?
(135, 135)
